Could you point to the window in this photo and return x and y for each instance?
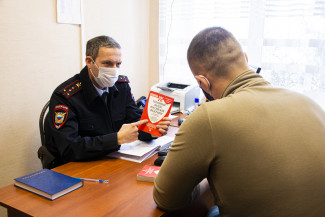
(285, 38)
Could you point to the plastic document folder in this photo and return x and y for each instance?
(139, 151)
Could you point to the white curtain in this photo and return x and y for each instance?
(285, 38)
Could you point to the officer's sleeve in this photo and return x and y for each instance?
(62, 135)
(134, 114)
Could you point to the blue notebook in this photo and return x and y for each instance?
(48, 183)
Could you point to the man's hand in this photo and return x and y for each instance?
(163, 125)
(129, 132)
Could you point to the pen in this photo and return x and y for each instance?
(95, 180)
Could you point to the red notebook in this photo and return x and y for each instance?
(157, 107)
(148, 173)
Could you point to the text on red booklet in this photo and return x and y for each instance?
(157, 107)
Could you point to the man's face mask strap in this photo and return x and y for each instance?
(208, 96)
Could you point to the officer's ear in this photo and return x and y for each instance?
(89, 61)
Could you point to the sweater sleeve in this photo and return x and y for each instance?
(186, 165)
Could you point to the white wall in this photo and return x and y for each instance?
(127, 21)
(37, 54)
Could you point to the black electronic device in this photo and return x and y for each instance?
(258, 69)
(159, 160)
(180, 121)
(163, 152)
(141, 102)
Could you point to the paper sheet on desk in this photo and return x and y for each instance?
(139, 151)
(172, 116)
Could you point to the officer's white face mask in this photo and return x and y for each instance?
(106, 76)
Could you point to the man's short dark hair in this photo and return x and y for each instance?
(213, 50)
(94, 44)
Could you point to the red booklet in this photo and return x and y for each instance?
(157, 107)
(148, 173)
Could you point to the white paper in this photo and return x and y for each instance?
(139, 151)
(137, 159)
(172, 116)
(69, 11)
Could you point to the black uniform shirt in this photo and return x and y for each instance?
(81, 126)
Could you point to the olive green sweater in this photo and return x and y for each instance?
(262, 149)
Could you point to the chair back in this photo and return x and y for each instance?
(47, 159)
(41, 122)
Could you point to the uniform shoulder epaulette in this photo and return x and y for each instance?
(123, 78)
(71, 89)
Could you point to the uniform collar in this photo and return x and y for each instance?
(101, 91)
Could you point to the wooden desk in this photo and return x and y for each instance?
(123, 196)
(174, 122)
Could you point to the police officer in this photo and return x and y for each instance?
(93, 113)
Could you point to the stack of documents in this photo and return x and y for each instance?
(139, 151)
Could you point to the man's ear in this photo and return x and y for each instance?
(88, 61)
(203, 83)
(246, 57)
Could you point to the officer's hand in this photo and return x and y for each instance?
(129, 132)
(163, 125)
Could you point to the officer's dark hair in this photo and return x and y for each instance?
(94, 44)
(215, 50)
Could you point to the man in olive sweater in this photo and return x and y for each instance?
(261, 148)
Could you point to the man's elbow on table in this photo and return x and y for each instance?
(172, 202)
(159, 199)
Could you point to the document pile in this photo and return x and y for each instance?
(139, 151)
